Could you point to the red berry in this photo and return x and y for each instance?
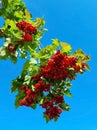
(27, 37)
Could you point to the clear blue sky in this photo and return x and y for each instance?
(73, 21)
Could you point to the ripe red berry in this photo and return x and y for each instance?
(27, 37)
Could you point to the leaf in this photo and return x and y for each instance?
(47, 118)
(67, 92)
(86, 58)
(68, 84)
(27, 14)
(33, 61)
(33, 106)
(41, 101)
(12, 26)
(79, 54)
(27, 80)
(44, 59)
(56, 118)
(1, 12)
(64, 106)
(34, 70)
(16, 84)
(26, 65)
(5, 3)
(13, 59)
(65, 47)
(3, 54)
(13, 88)
(19, 96)
(18, 14)
(23, 54)
(87, 67)
(56, 42)
(39, 22)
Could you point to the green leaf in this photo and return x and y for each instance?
(18, 14)
(68, 84)
(56, 42)
(79, 54)
(27, 80)
(23, 54)
(56, 118)
(13, 59)
(33, 106)
(19, 96)
(41, 101)
(13, 88)
(34, 70)
(43, 60)
(16, 83)
(31, 66)
(65, 47)
(26, 65)
(3, 53)
(67, 92)
(1, 12)
(4, 3)
(32, 61)
(11, 23)
(64, 106)
(46, 117)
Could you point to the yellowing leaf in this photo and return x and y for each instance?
(27, 14)
(79, 53)
(86, 59)
(87, 67)
(65, 47)
(40, 22)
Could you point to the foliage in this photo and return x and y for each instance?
(47, 73)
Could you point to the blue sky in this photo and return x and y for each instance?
(73, 21)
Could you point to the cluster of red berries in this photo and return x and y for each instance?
(52, 110)
(28, 30)
(29, 96)
(58, 67)
(41, 86)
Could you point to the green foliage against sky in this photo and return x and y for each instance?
(22, 34)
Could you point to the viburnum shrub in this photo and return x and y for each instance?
(47, 73)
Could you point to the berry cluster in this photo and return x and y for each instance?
(26, 27)
(41, 86)
(53, 111)
(29, 98)
(58, 67)
(31, 95)
(28, 30)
